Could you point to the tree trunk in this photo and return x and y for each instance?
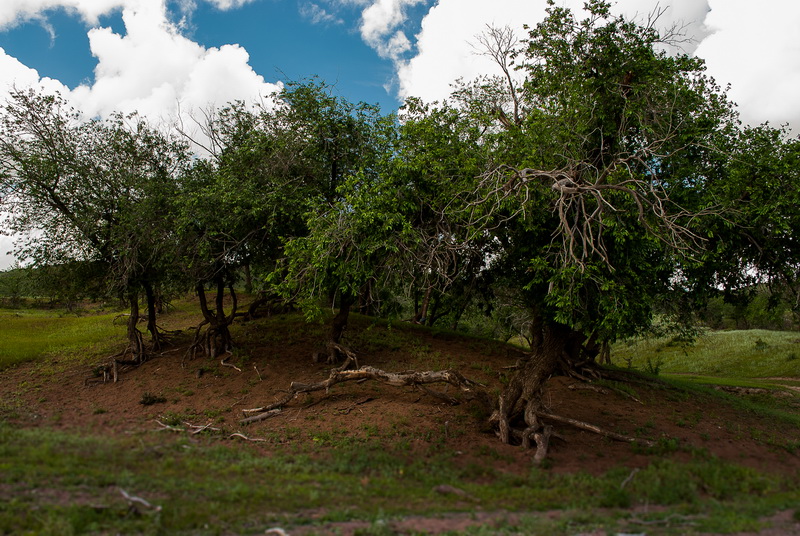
(340, 320)
(248, 279)
(134, 335)
(151, 315)
(217, 339)
(422, 313)
(523, 394)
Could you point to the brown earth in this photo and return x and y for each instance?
(274, 352)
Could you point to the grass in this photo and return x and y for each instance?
(29, 334)
(58, 483)
(727, 354)
(55, 482)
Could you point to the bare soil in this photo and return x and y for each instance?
(61, 395)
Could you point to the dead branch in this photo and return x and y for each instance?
(440, 395)
(133, 500)
(242, 436)
(193, 429)
(396, 379)
(584, 201)
(262, 416)
(594, 429)
(348, 409)
(224, 362)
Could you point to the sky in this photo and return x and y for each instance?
(164, 58)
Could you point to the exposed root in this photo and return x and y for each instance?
(595, 429)
(242, 436)
(263, 415)
(193, 429)
(213, 342)
(133, 500)
(224, 362)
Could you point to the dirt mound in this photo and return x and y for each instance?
(272, 353)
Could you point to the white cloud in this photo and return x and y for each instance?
(379, 27)
(229, 4)
(445, 50)
(152, 68)
(317, 14)
(754, 47)
(15, 11)
(6, 245)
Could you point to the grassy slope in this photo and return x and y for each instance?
(27, 334)
(726, 354)
(56, 483)
(53, 482)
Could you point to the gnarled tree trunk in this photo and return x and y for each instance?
(151, 315)
(217, 338)
(135, 340)
(522, 397)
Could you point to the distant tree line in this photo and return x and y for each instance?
(612, 183)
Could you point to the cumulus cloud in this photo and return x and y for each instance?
(153, 68)
(380, 23)
(14, 11)
(445, 45)
(754, 48)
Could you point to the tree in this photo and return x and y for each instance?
(597, 200)
(93, 192)
(340, 146)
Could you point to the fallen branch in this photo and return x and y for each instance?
(348, 409)
(595, 429)
(133, 500)
(261, 416)
(242, 436)
(396, 379)
(224, 362)
(192, 428)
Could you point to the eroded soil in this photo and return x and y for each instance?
(274, 352)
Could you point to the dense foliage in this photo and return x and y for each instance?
(608, 183)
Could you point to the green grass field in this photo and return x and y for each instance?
(29, 334)
(727, 354)
(56, 482)
(63, 484)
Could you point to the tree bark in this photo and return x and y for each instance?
(523, 394)
(248, 279)
(422, 313)
(135, 342)
(151, 315)
(217, 338)
(339, 323)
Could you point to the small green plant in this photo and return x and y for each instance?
(654, 366)
(148, 399)
(760, 345)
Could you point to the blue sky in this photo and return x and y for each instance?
(283, 45)
(168, 59)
